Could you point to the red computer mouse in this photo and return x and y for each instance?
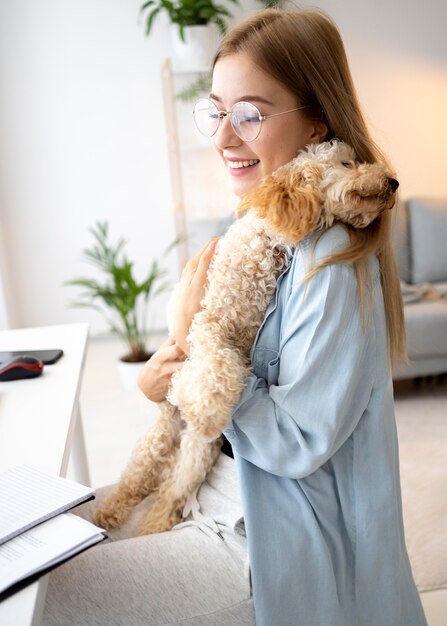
(20, 367)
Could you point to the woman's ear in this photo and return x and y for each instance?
(319, 131)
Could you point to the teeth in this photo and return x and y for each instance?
(238, 164)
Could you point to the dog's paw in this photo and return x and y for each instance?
(158, 524)
(109, 518)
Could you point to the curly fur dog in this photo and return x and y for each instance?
(321, 185)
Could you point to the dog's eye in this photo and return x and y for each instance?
(348, 164)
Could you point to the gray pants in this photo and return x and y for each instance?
(194, 575)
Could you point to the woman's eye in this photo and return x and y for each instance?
(249, 118)
(348, 164)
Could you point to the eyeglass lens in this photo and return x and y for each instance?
(244, 118)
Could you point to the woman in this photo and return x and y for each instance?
(313, 433)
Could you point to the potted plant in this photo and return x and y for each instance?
(119, 295)
(186, 13)
(194, 40)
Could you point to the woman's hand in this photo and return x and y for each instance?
(155, 377)
(191, 292)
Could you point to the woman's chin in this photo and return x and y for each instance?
(243, 184)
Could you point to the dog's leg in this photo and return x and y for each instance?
(154, 455)
(209, 386)
(196, 457)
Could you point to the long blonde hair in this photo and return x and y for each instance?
(304, 51)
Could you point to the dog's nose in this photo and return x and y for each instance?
(393, 183)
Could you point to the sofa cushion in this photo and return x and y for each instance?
(428, 237)
(426, 326)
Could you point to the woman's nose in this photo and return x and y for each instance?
(225, 137)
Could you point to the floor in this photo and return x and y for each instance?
(421, 415)
(114, 418)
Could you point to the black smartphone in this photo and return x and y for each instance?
(47, 356)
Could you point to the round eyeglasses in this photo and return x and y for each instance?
(245, 118)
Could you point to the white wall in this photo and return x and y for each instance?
(82, 128)
(5, 312)
(82, 139)
(5, 321)
(398, 55)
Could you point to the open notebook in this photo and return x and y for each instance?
(29, 496)
(38, 550)
(34, 536)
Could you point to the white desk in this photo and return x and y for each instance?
(40, 424)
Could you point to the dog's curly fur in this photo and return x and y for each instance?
(323, 184)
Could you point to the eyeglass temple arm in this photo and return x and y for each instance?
(264, 117)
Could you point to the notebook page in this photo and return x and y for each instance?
(49, 543)
(29, 496)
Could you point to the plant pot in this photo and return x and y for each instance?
(198, 49)
(129, 373)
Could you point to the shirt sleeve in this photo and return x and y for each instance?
(325, 379)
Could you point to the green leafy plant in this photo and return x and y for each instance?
(188, 13)
(199, 87)
(119, 295)
(272, 4)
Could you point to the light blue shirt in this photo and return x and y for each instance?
(314, 438)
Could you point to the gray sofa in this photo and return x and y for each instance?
(420, 243)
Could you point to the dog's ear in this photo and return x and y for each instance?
(289, 200)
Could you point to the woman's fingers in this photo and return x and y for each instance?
(155, 376)
(203, 255)
(169, 351)
(210, 243)
(170, 341)
(198, 273)
(204, 261)
(192, 290)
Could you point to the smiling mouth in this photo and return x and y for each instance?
(234, 165)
